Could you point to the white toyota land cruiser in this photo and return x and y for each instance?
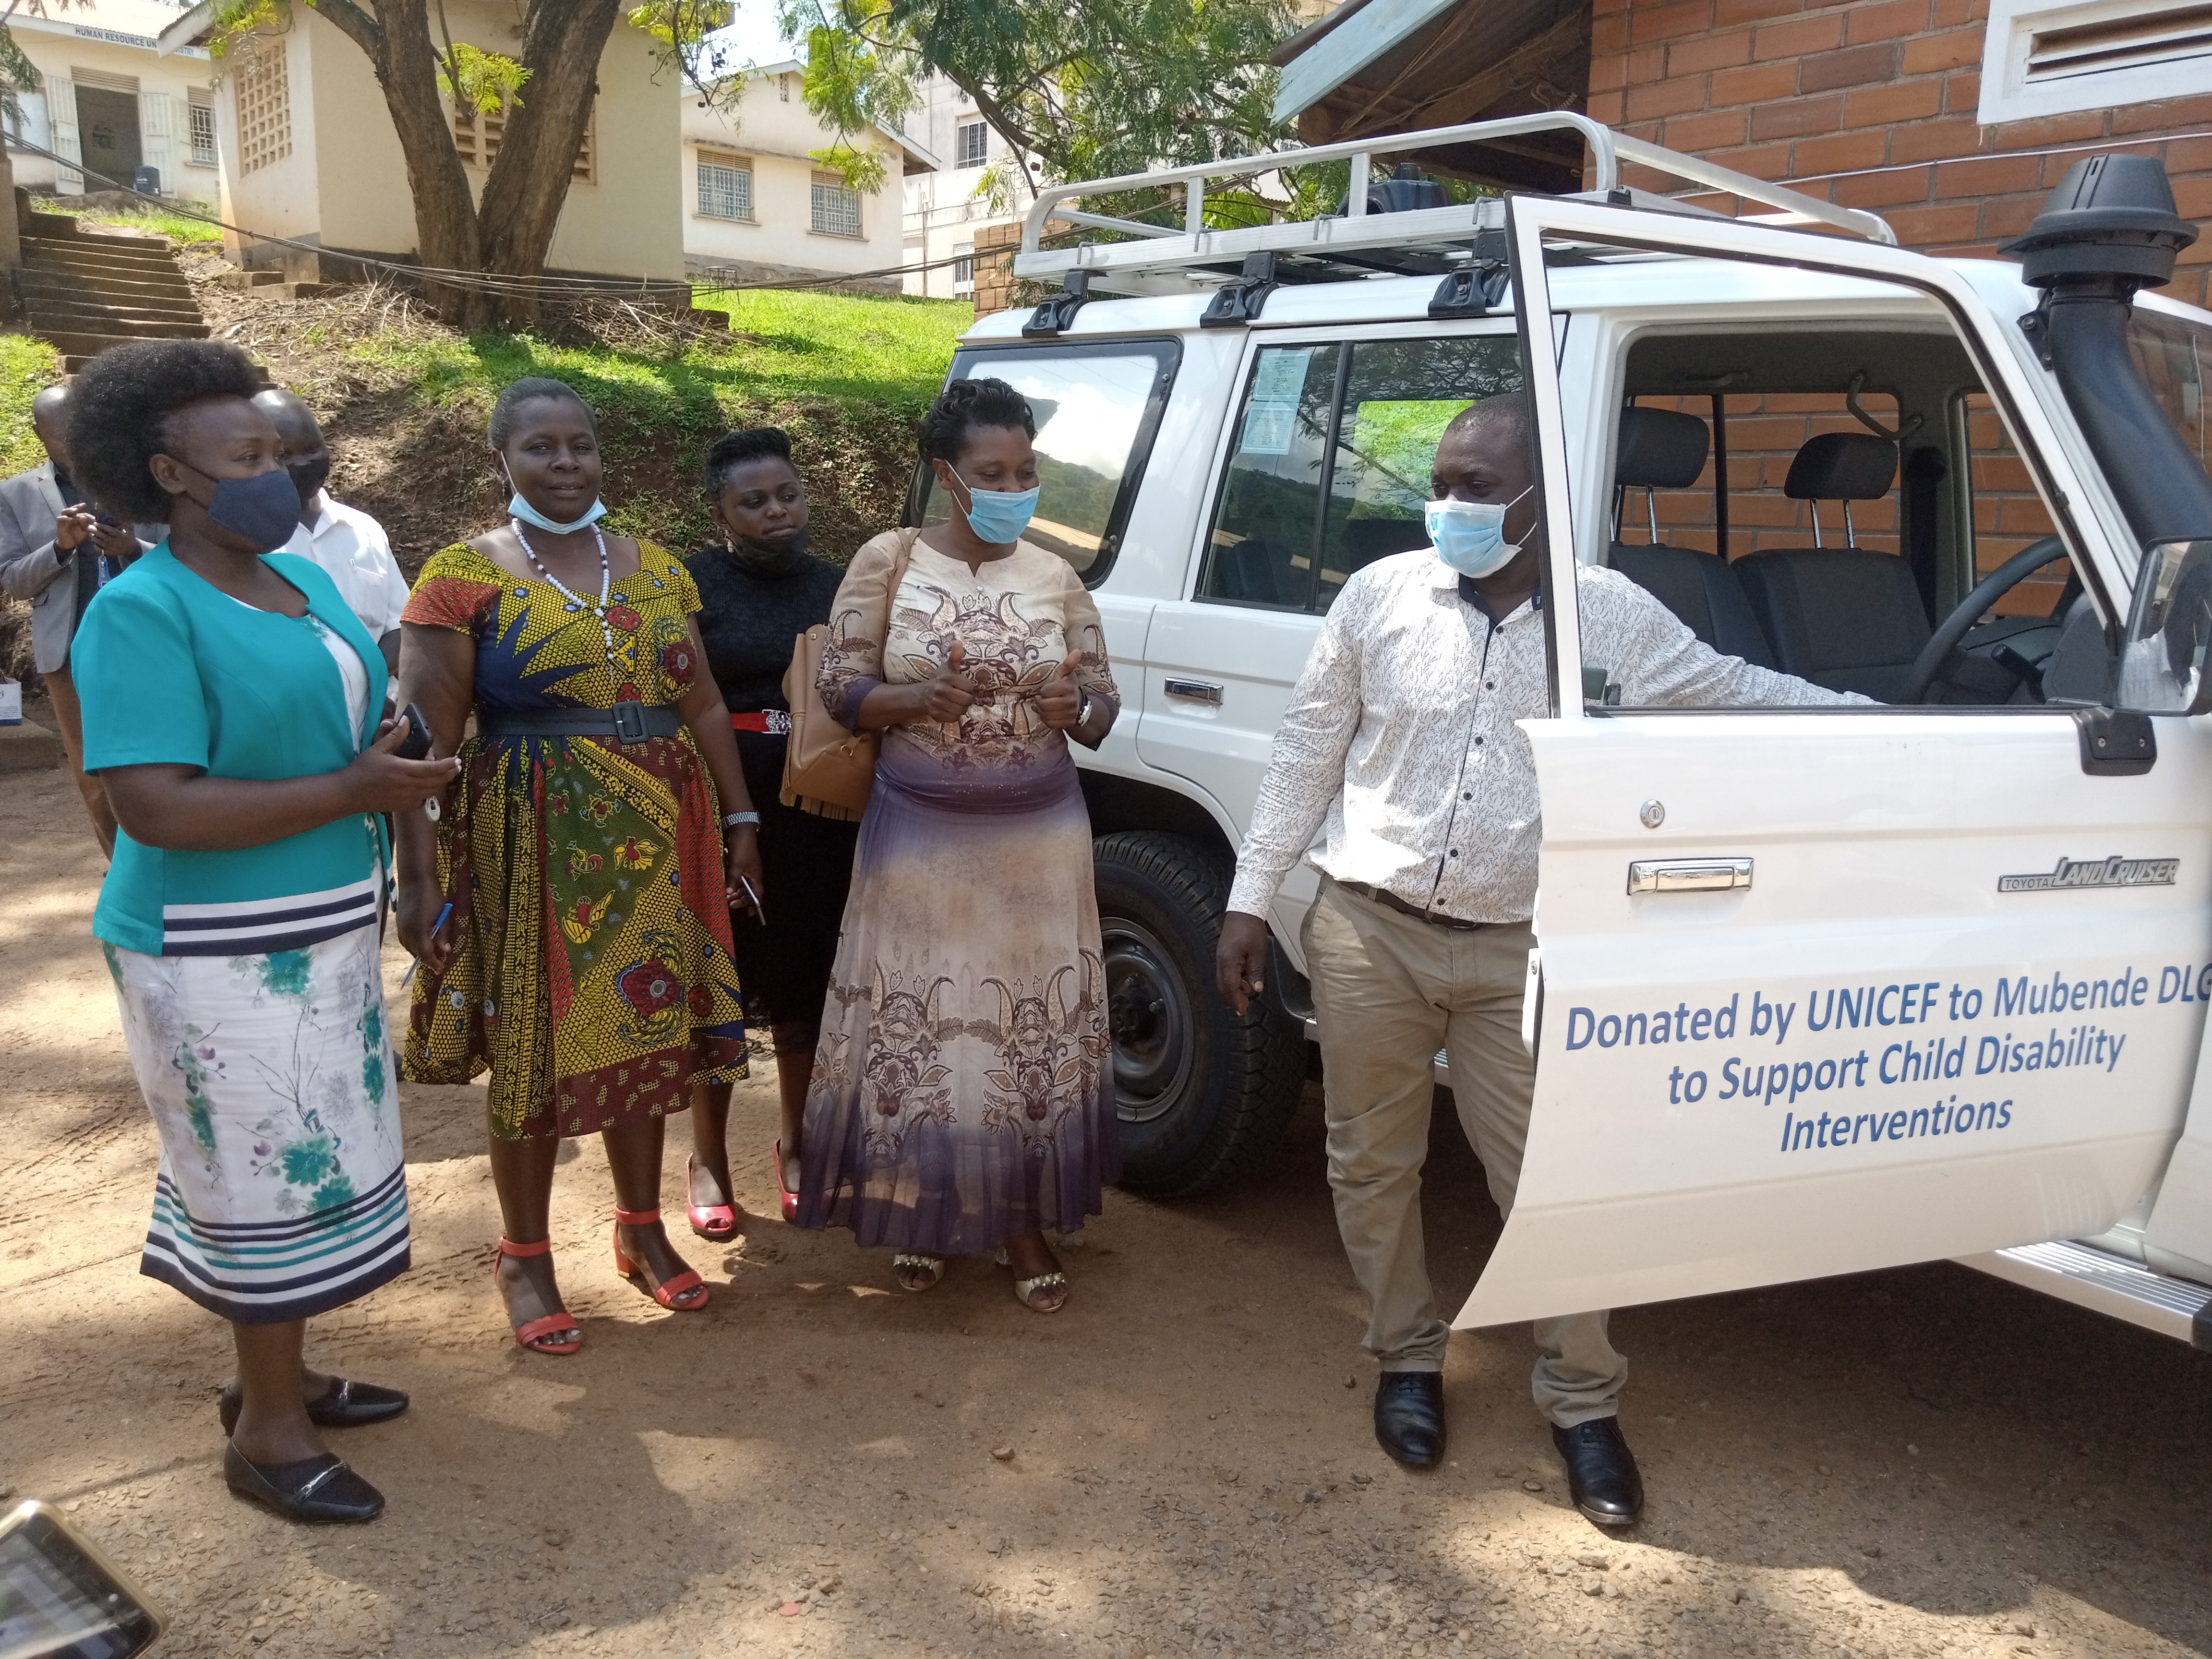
(1817, 990)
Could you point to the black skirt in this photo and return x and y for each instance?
(783, 967)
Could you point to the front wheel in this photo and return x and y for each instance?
(1202, 1094)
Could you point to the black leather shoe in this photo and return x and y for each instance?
(321, 1490)
(344, 1404)
(1602, 1472)
(1409, 1417)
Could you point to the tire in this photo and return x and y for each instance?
(1203, 1095)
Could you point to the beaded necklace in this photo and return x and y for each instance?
(577, 601)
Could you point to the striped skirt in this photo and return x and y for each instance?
(282, 1191)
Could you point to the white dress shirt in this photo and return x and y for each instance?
(355, 553)
(1400, 737)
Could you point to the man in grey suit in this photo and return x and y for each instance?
(55, 552)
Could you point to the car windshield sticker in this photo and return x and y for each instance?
(2115, 872)
(1271, 420)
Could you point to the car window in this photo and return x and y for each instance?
(1329, 465)
(2175, 357)
(1096, 409)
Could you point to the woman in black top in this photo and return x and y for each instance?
(759, 590)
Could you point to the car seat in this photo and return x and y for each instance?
(1662, 449)
(1846, 617)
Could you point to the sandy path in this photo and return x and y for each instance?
(1917, 1462)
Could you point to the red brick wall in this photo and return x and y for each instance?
(1872, 105)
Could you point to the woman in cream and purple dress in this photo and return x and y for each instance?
(962, 1097)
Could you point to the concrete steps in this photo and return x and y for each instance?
(85, 291)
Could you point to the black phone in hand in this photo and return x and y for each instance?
(415, 745)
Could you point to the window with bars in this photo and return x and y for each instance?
(836, 207)
(726, 187)
(264, 109)
(476, 134)
(964, 267)
(972, 145)
(200, 139)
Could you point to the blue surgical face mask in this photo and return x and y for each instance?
(997, 515)
(1470, 536)
(530, 515)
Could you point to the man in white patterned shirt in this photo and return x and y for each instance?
(1401, 744)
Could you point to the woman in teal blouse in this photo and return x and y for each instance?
(231, 701)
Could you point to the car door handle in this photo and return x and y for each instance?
(1196, 690)
(1687, 875)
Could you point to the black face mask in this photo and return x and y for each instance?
(768, 556)
(308, 477)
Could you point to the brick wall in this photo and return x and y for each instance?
(1872, 105)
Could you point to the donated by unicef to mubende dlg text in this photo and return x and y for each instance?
(1856, 1065)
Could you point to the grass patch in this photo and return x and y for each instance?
(28, 366)
(139, 221)
(847, 375)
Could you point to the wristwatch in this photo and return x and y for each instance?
(730, 820)
(1083, 710)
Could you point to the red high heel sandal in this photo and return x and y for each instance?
(715, 1223)
(532, 1333)
(665, 1294)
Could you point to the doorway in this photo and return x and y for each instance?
(107, 133)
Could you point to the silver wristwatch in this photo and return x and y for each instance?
(730, 820)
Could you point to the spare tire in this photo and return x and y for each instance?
(1203, 1094)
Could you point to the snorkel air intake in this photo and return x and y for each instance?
(2108, 229)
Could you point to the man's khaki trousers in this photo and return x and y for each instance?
(1389, 990)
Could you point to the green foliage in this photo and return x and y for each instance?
(1088, 90)
(179, 228)
(485, 81)
(238, 19)
(680, 29)
(28, 366)
(852, 83)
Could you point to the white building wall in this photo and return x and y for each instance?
(767, 139)
(112, 42)
(943, 210)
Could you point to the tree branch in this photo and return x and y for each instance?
(358, 25)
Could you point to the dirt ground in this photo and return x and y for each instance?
(1925, 1461)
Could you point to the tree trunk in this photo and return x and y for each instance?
(396, 42)
(563, 41)
(510, 232)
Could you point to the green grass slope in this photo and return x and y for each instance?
(404, 399)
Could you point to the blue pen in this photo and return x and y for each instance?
(408, 978)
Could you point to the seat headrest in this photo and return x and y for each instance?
(1660, 449)
(1842, 466)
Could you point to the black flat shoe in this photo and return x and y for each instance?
(1409, 1417)
(1602, 1472)
(344, 1404)
(319, 1491)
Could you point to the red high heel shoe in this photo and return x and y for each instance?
(788, 1199)
(715, 1223)
(532, 1333)
(665, 1294)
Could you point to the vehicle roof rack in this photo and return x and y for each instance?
(1355, 242)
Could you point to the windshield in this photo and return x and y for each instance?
(2174, 356)
(1096, 407)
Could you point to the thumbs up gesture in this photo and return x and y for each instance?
(1059, 699)
(947, 697)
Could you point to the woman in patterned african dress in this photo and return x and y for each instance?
(962, 1098)
(586, 959)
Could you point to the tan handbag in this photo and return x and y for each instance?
(827, 770)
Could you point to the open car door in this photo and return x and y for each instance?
(1832, 990)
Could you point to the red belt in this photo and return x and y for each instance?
(774, 721)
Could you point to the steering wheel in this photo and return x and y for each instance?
(1987, 592)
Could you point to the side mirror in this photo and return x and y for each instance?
(2169, 635)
